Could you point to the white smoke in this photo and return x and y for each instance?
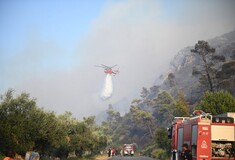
(108, 87)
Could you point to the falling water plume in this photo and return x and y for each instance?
(108, 87)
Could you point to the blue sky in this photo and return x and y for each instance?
(48, 48)
(40, 24)
(64, 22)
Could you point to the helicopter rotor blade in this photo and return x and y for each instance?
(99, 66)
(114, 66)
(105, 66)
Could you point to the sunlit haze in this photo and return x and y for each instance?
(49, 49)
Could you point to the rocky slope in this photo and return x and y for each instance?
(186, 68)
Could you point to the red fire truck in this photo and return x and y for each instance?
(208, 137)
(128, 150)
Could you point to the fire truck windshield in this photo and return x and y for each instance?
(128, 147)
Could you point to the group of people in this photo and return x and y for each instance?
(185, 155)
(112, 152)
(30, 155)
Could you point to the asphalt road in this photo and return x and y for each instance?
(131, 158)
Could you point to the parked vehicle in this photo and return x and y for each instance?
(128, 150)
(209, 137)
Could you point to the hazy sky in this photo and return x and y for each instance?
(49, 48)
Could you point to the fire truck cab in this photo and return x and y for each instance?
(208, 137)
(128, 150)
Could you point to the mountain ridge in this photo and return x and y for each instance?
(185, 68)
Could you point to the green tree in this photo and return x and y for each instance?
(79, 135)
(181, 106)
(101, 132)
(163, 108)
(142, 118)
(67, 143)
(203, 49)
(164, 98)
(217, 102)
(16, 125)
(154, 90)
(45, 131)
(24, 126)
(144, 93)
(163, 146)
(113, 118)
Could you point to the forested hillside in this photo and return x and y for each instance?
(200, 77)
(188, 69)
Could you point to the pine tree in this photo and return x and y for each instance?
(203, 49)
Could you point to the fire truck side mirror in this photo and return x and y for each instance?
(169, 132)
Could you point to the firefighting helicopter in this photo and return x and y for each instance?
(109, 70)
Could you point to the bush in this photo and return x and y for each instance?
(217, 102)
(159, 153)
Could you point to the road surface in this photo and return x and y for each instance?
(131, 158)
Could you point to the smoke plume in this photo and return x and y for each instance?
(108, 87)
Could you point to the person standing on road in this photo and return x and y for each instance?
(109, 152)
(116, 152)
(186, 155)
(31, 155)
(113, 152)
(121, 152)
